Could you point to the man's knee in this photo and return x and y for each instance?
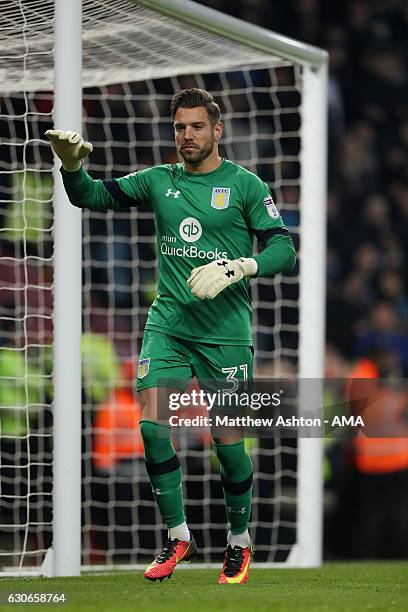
(236, 464)
(156, 440)
(148, 401)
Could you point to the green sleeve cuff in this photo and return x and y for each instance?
(278, 256)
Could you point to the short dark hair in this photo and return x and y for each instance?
(190, 98)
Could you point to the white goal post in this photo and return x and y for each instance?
(112, 42)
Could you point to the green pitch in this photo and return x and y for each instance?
(335, 587)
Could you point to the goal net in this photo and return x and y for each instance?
(134, 59)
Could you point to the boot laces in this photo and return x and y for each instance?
(168, 551)
(233, 560)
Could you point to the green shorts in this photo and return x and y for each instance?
(165, 358)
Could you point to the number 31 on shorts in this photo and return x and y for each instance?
(232, 376)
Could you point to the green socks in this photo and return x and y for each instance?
(236, 477)
(164, 471)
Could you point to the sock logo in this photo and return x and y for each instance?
(231, 511)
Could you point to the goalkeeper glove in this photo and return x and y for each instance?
(69, 147)
(209, 280)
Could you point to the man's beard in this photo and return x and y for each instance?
(198, 155)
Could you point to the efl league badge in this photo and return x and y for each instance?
(220, 197)
(271, 208)
(143, 369)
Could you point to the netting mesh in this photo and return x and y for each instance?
(126, 103)
(121, 42)
(26, 280)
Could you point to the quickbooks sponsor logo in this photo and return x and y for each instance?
(191, 251)
(190, 229)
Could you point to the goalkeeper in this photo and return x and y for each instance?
(207, 210)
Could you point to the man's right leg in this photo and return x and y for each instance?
(162, 463)
(161, 359)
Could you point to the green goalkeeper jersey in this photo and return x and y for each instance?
(199, 218)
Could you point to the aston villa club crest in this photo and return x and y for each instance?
(220, 197)
(143, 369)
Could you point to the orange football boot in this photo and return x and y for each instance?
(172, 553)
(236, 565)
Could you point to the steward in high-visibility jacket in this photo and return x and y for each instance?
(382, 445)
(116, 432)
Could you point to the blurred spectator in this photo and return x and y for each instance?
(22, 391)
(116, 433)
(384, 331)
(346, 308)
(100, 367)
(391, 289)
(358, 168)
(118, 483)
(29, 216)
(379, 478)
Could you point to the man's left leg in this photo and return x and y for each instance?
(231, 368)
(236, 477)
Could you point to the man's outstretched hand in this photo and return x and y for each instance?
(69, 147)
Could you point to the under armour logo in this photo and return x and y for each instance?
(157, 491)
(228, 272)
(231, 511)
(173, 194)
